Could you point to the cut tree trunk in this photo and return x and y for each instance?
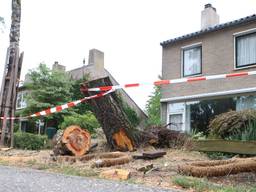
(103, 159)
(109, 112)
(72, 141)
(219, 167)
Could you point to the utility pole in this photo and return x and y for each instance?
(11, 77)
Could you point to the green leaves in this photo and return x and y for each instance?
(47, 88)
(86, 121)
(153, 107)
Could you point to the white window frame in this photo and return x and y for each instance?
(190, 46)
(238, 34)
(178, 112)
(22, 93)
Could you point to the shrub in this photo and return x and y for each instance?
(231, 123)
(29, 141)
(87, 121)
(248, 134)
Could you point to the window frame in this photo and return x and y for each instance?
(177, 111)
(237, 36)
(197, 45)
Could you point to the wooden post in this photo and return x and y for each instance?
(10, 77)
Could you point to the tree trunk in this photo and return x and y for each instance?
(118, 130)
(109, 111)
(72, 141)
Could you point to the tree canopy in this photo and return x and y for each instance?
(47, 88)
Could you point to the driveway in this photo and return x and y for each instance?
(28, 180)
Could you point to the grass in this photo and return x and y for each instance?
(69, 170)
(202, 185)
(3, 162)
(54, 167)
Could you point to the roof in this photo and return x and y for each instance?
(211, 29)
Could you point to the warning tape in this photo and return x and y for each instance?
(60, 107)
(174, 81)
(108, 89)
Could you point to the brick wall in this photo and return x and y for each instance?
(217, 58)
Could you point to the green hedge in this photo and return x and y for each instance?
(29, 141)
(86, 121)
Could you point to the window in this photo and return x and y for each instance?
(176, 122)
(176, 116)
(21, 102)
(192, 61)
(246, 50)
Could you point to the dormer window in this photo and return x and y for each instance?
(192, 61)
(245, 50)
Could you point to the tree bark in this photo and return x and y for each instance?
(109, 111)
(218, 167)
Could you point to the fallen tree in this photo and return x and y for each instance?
(120, 133)
(110, 113)
(218, 167)
(72, 141)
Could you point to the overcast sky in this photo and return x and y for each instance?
(127, 31)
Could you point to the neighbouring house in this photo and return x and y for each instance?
(215, 49)
(94, 70)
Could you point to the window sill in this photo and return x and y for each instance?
(245, 67)
(188, 76)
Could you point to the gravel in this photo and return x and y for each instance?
(29, 180)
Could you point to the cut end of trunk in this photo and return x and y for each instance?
(77, 140)
(122, 141)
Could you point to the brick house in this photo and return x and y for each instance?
(215, 49)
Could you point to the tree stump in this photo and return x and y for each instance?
(109, 112)
(72, 141)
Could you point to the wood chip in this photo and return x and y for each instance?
(115, 174)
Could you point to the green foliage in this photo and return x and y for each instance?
(47, 88)
(219, 155)
(86, 121)
(129, 112)
(153, 107)
(247, 134)
(234, 125)
(197, 135)
(76, 94)
(131, 115)
(29, 141)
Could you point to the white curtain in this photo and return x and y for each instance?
(246, 50)
(192, 61)
(246, 102)
(176, 122)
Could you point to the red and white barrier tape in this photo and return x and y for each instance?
(61, 107)
(109, 89)
(174, 81)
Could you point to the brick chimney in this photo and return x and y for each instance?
(58, 67)
(96, 58)
(209, 17)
